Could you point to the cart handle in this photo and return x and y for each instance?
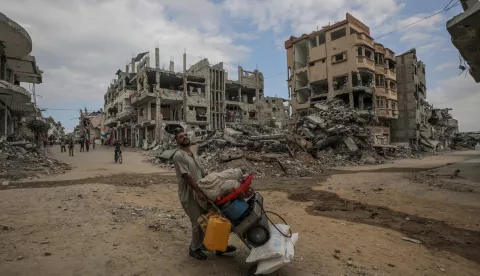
(237, 192)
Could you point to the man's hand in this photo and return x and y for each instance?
(201, 196)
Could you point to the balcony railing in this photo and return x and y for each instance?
(110, 120)
(14, 88)
(126, 113)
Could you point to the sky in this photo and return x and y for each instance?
(80, 44)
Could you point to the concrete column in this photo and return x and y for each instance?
(239, 94)
(3, 122)
(145, 134)
(351, 100)
(157, 58)
(149, 110)
(360, 102)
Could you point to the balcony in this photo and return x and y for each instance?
(379, 69)
(141, 98)
(126, 114)
(389, 74)
(15, 38)
(364, 62)
(110, 121)
(386, 113)
(391, 94)
(363, 39)
(389, 54)
(172, 95)
(14, 96)
(380, 92)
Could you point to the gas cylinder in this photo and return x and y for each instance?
(217, 234)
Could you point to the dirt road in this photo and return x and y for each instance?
(108, 219)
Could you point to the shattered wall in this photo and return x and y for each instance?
(412, 121)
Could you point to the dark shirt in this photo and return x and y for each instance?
(118, 146)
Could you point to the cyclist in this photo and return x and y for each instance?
(118, 149)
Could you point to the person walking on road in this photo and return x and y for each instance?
(192, 199)
(87, 144)
(71, 147)
(93, 144)
(82, 145)
(62, 146)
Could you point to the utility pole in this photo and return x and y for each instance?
(185, 108)
(34, 101)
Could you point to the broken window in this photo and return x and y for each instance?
(379, 59)
(300, 54)
(321, 38)
(394, 106)
(393, 86)
(423, 70)
(340, 82)
(313, 41)
(339, 57)
(319, 87)
(289, 92)
(380, 81)
(369, 53)
(290, 75)
(359, 51)
(338, 34)
(415, 68)
(353, 31)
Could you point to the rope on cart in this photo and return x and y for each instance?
(268, 218)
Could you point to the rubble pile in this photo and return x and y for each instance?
(21, 161)
(337, 135)
(333, 135)
(466, 140)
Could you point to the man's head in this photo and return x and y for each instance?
(181, 137)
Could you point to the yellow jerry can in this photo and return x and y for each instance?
(217, 234)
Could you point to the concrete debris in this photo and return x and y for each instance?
(466, 140)
(332, 136)
(20, 161)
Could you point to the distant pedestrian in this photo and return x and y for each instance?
(93, 144)
(71, 146)
(87, 144)
(82, 145)
(62, 146)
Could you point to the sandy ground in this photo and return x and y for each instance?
(109, 219)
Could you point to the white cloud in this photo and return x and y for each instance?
(447, 65)
(462, 94)
(304, 16)
(79, 44)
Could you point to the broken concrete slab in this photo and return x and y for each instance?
(350, 144)
(314, 119)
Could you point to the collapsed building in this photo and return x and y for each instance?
(16, 66)
(90, 125)
(342, 61)
(144, 103)
(419, 124)
(464, 30)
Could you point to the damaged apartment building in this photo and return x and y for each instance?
(342, 61)
(419, 124)
(144, 102)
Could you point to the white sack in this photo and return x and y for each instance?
(274, 248)
(220, 183)
(271, 265)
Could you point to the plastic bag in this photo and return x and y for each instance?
(271, 265)
(220, 183)
(274, 248)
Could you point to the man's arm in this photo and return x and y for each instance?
(181, 164)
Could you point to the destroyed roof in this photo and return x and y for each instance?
(140, 56)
